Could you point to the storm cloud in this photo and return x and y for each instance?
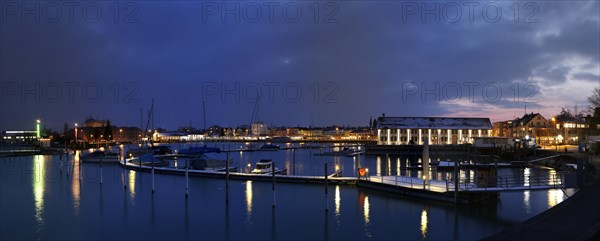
(337, 62)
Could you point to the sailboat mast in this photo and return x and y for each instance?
(204, 117)
(150, 121)
(141, 122)
(152, 126)
(204, 113)
(254, 112)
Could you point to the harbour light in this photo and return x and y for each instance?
(37, 128)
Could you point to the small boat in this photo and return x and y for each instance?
(211, 162)
(100, 156)
(355, 153)
(149, 159)
(155, 150)
(269, 147)
(265, 166)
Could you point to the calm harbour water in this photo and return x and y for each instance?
(39, 201)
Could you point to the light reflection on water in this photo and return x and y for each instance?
(526, 194)
(364, 199)
(555, 196)
(424, 223)
(38, 188)
(378, 167)
(526, 201)
(76, 185)
(249, 197)
(337, 200)
(354, 167)
(369, 217)
(389, 166)
(132, 176)
(366, 210)
(248, 204)
(398, 166)
(553, 180)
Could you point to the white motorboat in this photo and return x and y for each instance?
(265, 166)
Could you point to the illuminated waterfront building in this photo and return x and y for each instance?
(19, 136)
(22, 136)
(438, 130)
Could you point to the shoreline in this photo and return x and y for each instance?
(573, 219)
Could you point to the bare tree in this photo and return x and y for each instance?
(594, 99)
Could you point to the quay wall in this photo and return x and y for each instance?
(573, 219)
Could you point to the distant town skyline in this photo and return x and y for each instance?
(59, 126)
(365, 59)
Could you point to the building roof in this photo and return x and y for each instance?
(433, 123)
(525, 119)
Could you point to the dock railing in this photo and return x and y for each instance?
(478, 184)
(508, 183)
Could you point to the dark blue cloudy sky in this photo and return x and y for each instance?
(336, 62)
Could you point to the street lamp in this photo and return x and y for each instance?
(75, 135)
(555, 136)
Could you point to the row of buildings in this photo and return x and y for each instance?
(561, 129)
(95, 131)
(22, 136)
(90, 131)
(550, 131)
(262, 131)
(531, 127)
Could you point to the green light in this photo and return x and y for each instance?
(37, 129)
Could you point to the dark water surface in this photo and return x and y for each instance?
(39, 201)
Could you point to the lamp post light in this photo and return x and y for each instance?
(140, 156)
(76, 135)
(555, 136)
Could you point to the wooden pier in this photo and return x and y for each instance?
(245, 176)
(467, 192)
